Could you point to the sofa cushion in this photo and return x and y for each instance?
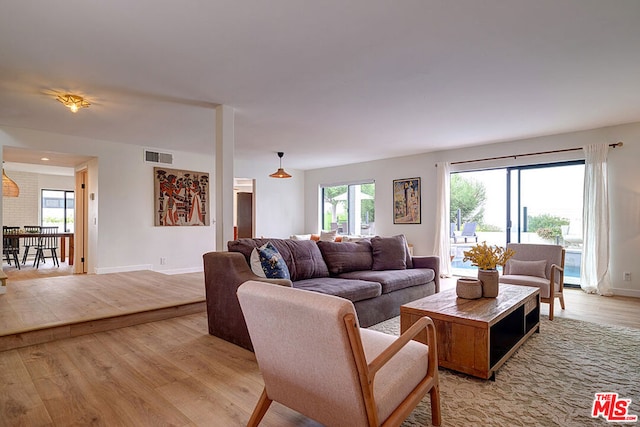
(353, 290)
(344, 257)
(528, 268)
(392, 280)
(267, 262)
(389, 253)
(303, 258)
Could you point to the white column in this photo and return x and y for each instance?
(224, 175)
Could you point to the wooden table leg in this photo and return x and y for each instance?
(63, 249)
(71, 249)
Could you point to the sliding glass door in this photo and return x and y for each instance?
(545, 206)
(526, 204)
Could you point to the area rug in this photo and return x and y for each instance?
(550, 381)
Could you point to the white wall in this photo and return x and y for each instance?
(279, 202)
(122, 234)
(624, 189)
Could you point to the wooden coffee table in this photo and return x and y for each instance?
(477, 336)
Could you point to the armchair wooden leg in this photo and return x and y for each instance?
(261, 408)
(551, 301)
(434, 394)
(562, 301)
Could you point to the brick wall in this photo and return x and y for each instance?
(25, 209)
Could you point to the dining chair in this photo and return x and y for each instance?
(47, 243)
(315, 359)
(29, 242)
(11, 244)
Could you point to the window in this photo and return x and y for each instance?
(58, 209)
(349, 208)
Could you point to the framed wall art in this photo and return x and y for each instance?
(406, 201)
(181, 197)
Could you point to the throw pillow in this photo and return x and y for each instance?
(267, 262)
(528, 268)
(389, 253)
(328, 236)
(300, 237)
(347, 256)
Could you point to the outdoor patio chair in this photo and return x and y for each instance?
(315, 359)
(541, 266)
(571, 235)
(468, 232)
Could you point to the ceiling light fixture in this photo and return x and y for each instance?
(9, 186)
(280, 173)
(73, 102)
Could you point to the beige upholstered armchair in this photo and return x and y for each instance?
(315, 359)
(541, 266)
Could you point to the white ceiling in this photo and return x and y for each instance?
(328, 82)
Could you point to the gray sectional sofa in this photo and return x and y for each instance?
(377, 275)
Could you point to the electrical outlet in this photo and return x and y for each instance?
(626, 276)
(163, 261)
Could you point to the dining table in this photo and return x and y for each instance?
(63, 235)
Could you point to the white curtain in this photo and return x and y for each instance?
(442, 240)
(594, 277)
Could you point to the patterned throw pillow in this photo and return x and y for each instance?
(267, 262)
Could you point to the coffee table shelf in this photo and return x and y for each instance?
(477, 336)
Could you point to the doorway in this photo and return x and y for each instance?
(243, 208)
(48, 197)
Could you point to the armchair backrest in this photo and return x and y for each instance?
(553, 254)
(303, 350)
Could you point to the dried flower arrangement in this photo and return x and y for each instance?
(487, 257)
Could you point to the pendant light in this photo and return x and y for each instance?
(9, 186)
(280, 173)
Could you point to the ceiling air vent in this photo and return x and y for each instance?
(157, 157)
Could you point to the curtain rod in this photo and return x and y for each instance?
(515, 156)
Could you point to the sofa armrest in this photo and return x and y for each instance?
(432, 262)
(224, 272)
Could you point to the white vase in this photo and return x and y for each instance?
(489, 279)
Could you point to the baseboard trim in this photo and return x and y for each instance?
(635, 293)
(181, 270)
(124, 269)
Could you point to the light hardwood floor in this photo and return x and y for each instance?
(39, 310)
(171, 372)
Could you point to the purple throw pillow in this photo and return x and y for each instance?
(389, 253)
